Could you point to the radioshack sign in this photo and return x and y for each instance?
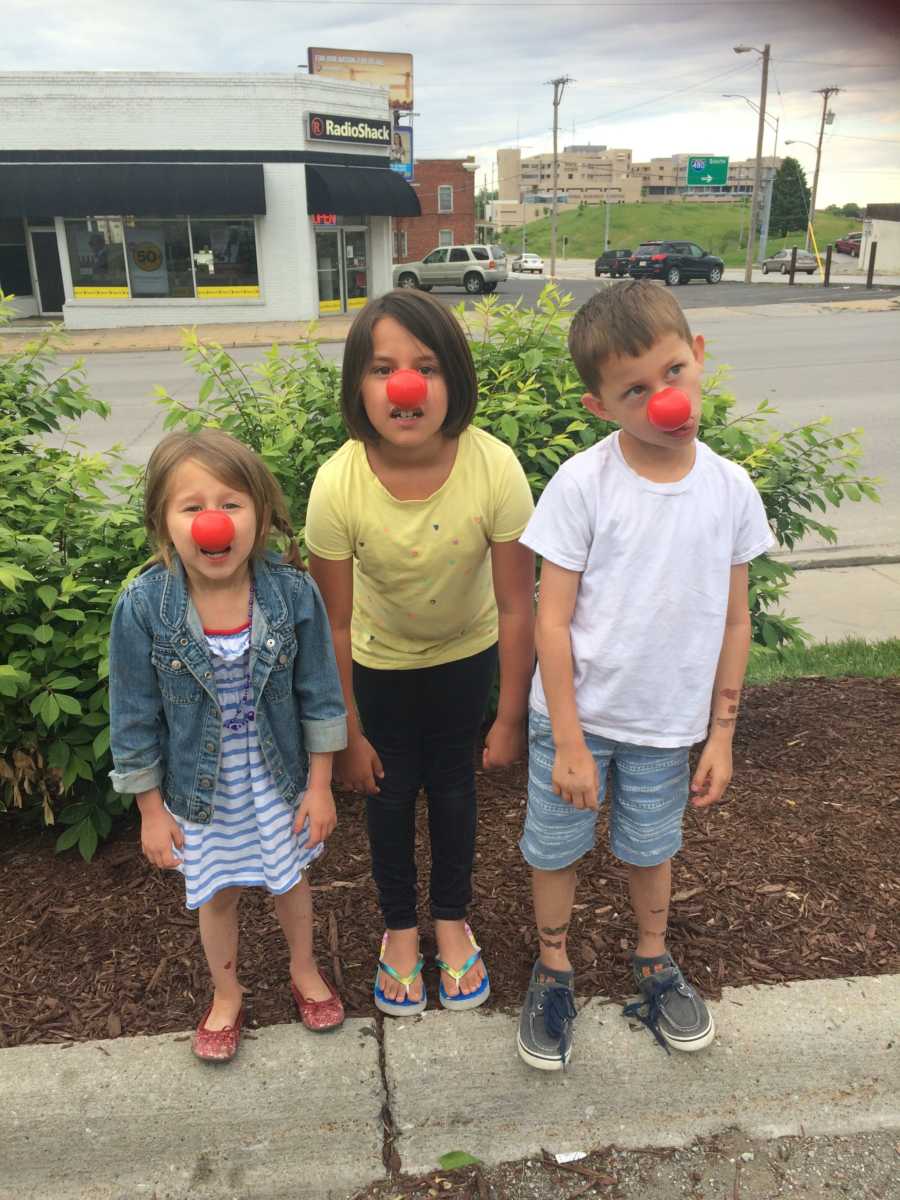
(363, 131)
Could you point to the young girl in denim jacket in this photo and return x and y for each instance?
(226, 708)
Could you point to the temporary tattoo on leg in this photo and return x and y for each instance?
(657, 910)
(227, 967)
(546, 942)
(555, 928)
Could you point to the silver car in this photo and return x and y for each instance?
(475, 268)
(782, 262)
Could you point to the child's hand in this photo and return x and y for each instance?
(357, 767)
(504, 744)
(318, 806)
(713, 773)
(160, 832)
(575, 778)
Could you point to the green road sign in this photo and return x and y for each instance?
(706, 171)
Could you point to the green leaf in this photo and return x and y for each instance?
(47, 595)
(43, 634)
(68, 838)
(87, 840)
(50, 710)
(58, 755)
(65, 683)
(456, 1159)
(68, 704)
(70, 614)
(101, 743)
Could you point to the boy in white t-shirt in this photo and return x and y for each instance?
(643, 633)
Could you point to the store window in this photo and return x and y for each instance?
(15, 278)
(97, 257)
(225, 257)
(445, 198)
(159, 258)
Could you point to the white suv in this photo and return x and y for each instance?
(475, 268)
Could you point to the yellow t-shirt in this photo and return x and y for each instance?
(422, 583)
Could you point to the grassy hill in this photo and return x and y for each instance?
(715, 227)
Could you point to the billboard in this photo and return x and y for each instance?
(402, 151)
(706, 170)
(393, 71)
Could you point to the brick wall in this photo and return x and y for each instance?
(423, 233)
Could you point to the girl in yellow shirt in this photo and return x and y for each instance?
(412, 530)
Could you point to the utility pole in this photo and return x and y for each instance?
(606, 227)
(825, 93)
(559, 86)
(757, 169)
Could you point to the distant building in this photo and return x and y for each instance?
(446, 191)
(585, 174)
(882, 225)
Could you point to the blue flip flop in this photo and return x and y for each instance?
(398, 1008)
(464, 1000)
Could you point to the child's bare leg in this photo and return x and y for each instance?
(219, 936)
(295, 913)
(402, 953)
(554, 895)
(651, 890)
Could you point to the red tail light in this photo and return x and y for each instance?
(657, 257)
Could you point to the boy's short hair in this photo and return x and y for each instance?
(432, 325)
(626, 320)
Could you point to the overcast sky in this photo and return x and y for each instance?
(647, 76)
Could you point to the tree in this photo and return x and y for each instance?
(790, 199)
(852, 210)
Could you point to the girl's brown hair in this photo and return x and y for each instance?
(235, 465)
(432, 325)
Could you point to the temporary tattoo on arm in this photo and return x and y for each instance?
(724, 722)
(730, 693)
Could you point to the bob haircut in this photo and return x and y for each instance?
(625, 320)
(432, 325)
(237, 467)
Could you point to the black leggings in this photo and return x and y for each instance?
(424, 725)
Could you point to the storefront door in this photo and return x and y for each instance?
(342, 269)
(45, 249)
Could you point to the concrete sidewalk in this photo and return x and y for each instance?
(302, 1117)
(838, 594)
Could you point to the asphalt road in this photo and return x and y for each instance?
(696, 294)
(844, 365)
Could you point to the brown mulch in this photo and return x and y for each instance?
(793, 877)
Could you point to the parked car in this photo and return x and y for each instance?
(475, 268)
(529, 262)
(612, 263)
(675, 262)
(849, 244)
(782, 262)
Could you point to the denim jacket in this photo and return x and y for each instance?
(166, 723)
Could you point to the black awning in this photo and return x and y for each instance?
(359, 191)
(132, 189)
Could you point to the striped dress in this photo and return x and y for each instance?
(250, 840)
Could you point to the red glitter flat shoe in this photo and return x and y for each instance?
(217, 1045)
(319, 1015)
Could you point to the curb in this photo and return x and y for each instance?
(840, 558)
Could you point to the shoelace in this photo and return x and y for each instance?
(559, 1013)
(658, 988)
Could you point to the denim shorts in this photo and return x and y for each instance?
(649, 795)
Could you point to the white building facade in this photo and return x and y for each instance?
(185, 199)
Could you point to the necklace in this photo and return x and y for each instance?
(245, 713)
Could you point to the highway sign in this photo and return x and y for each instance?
(707, 171)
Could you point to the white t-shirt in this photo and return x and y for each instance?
(655, 562)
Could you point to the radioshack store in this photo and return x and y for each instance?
(180, 199)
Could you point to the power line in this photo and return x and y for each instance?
(806, 62)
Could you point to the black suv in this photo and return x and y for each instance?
(675, 262)
(612, 263)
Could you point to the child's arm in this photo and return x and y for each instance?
(513, 570)
(358, 766)
(318, 802)
(575, 777)
(714, 769)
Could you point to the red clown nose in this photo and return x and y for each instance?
(406, 389)
(668, 409)
(212, 530)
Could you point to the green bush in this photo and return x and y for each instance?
(70, 527)
(69, 533)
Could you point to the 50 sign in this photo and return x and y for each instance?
(146, 256)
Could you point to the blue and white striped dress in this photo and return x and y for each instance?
(250, 840)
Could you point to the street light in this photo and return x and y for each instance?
(755, 107)
(757, 169)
